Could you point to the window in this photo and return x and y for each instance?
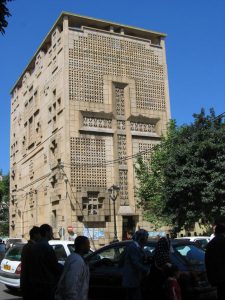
(54, 219)
(112, 254)
(14, 253)
(191, 254)
(60, 252)
(71, 248)
(92, 204)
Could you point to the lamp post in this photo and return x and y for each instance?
(113, 194)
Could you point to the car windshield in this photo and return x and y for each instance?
(191, 254)
(14, 253)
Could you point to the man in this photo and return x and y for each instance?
(215, 260)
(26, 259)
(134, 268)
(74, 282)
(44, 269)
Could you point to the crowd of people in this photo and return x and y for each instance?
(42, 277)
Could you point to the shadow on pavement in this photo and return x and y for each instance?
(17, 295)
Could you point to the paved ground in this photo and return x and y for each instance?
(5, 294)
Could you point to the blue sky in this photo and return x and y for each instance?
(195, 48)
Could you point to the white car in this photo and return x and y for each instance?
(11, 263)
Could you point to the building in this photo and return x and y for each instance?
(94, 95)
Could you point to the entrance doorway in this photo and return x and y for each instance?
(129, 225)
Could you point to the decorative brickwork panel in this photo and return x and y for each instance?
(94, 55)
(119, 98)
(88, 162)
(123, 187)
(145, 150)
(121, 125)
(97, 122)
(136, 126)
(122, 151)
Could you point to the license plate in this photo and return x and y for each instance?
(6, 267)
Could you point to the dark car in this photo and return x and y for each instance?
(106, 269)
(201, 241)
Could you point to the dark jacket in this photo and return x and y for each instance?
(215, 260)
(44, 271)
(134, 268)
(26, 259)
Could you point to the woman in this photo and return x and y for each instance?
(160, 262)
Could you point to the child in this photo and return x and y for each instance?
(173, 291)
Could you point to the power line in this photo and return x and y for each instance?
(219, 116)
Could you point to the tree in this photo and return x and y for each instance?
(4, 205)
(184, 181)
(4, 12)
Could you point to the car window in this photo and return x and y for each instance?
(114, 254)
(14, 253)
(60, 252)
(191, 254)
(71, 247)
(201, 242)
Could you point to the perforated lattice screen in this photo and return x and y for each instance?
(123, 187)
(96, 54)
(143, 127)
(146, 149)
(88, 162)
(97, 122)
(122, 151)
(119, 97)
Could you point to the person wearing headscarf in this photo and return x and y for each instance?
(161, 261)
(134, 268)
(162, 253)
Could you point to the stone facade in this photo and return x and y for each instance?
(94, 95)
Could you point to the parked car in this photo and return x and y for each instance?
(11, 264)
(201, 241)
(106, 268)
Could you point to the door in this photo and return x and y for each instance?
(106, 272)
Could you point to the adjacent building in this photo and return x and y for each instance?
(93, 97)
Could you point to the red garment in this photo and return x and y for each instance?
(174, 291)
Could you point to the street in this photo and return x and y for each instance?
(6, 294)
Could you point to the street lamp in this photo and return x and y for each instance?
(113, 193)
